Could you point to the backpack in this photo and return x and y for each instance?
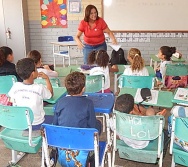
(117, 57)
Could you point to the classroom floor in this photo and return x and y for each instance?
(34, 160)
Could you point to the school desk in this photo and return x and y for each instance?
(154, 60)
(181, 96)
(121, 70)
(64, 54)
(164, 98)
(58, 92)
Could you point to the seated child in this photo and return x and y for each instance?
(125, 103)
(31, 95)
(75, 110)
(36, 56)
(101, 59)
(7, 67)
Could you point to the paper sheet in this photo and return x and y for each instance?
(154, 94)
(181, 94)
(115, 47)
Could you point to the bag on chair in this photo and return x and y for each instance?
(145, 94)
(117, 57)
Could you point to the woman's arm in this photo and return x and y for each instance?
(77, 39)
(111, 35)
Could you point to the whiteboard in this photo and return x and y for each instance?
(146, 15)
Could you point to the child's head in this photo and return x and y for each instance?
(165, 52)
(136, 60)
(2, 58)
(100, 57)
(75, 83)
(124, 103)
(8, 53)
(36, 56)
(25, 68)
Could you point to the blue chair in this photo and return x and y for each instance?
(15, 120)
(141, 128)
(6, 83)
(137, 81)
(179, 141)
(71, 139)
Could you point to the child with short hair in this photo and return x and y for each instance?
(75, 110)
(36, 56)
(125, 103)
(137, 66)
(6, 65)
(101, 59)
(31, 95)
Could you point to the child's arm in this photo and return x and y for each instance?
(50, 73)
(48, 83)
(113, 68)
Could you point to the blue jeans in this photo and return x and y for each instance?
(89, 48)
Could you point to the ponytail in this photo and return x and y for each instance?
(137, 63)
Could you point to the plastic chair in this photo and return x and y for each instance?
(139, 128)
(15, 120)
(94, 83)
(65, 54)
(54, 81)
(6, 83)
(180, 135)
(137, 81)
(85, 139)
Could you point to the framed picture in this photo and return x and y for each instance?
(74, 6)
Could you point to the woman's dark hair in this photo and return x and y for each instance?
(35, 55)
(100, 57)
(167, 52)
(7, 51)
(88, 12)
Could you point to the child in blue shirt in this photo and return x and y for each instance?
(75, 110)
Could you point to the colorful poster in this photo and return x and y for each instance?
(53, 13)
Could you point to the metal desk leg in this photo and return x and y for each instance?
(115, 83)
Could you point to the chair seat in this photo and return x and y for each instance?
(180, 156)
(14, 140)
(147, 154)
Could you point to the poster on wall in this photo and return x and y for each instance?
(53, 13)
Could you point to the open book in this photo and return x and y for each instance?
(181, 94)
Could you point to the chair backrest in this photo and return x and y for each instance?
(6, 83)
(54, 81)
(138, 127)
(137, 81)
(65, 38)
(176, 69)
(14, 117)
(94, 83)
(70, 138)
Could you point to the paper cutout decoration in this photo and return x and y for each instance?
(53, 13)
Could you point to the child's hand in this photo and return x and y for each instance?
(43, 75)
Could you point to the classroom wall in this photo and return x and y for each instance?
(148, 43)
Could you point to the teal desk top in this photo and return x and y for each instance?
(181, 96)
(164, 97)
(58, 92)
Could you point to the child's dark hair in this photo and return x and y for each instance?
(75, 82)
(167, 52)
(35, 55)
(25, 67)
(100, 57)
(2, 58)
(6, 51)
(124, 103)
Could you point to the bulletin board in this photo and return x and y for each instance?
(146, 16)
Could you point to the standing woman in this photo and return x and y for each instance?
(93, 28)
